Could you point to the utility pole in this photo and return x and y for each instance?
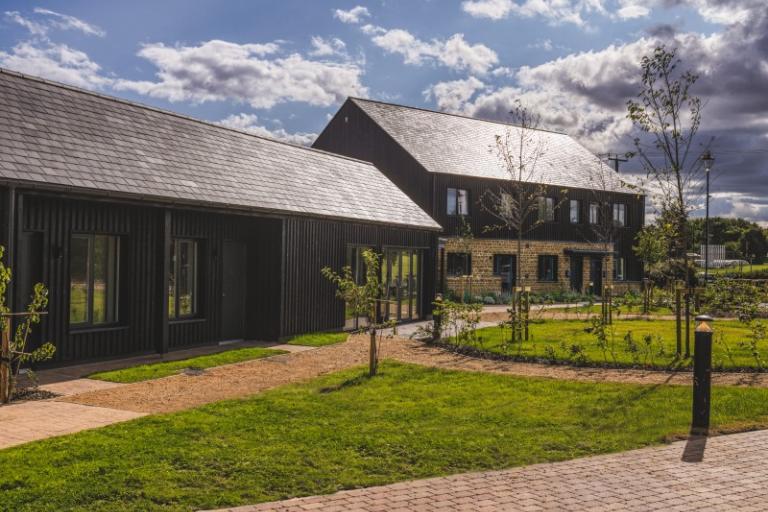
(616, 159)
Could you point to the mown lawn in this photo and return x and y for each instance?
(164, 369)
(595, 309)
(345, 430)
(319, 339)
(653, 344)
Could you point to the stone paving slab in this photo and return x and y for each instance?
(30, 421)
(726, 473)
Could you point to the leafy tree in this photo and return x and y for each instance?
(362, 299)
(17, 355)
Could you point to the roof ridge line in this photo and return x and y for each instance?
(461, 116)
(115, 99)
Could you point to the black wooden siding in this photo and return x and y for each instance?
(286, 293)
(311, 244)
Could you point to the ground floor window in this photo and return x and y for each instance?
(504, 265)
(183, 279)
(94, 263)
(619, 269)
(357, 266)
(459, 264)
(547, 268)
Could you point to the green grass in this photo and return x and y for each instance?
(319, 339)
(730, 347)
(745, 269)
(595, 309)
(345, 430)
(164, 369)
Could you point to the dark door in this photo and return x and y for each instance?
(577, 273)
(29, 273)
(596, 274)
(508, 271)
(233, 291)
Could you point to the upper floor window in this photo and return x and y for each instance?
(94, 263)
(459, 264)
(619, 269)
(183, 279)
(547, 268)
(458, 201)
(546, 209)
(594, 213)
(619, 214)
(574, 211)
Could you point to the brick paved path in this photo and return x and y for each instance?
(733, 475)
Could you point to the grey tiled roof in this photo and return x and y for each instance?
(58, 135)
(453, 144)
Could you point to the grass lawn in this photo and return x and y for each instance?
(745, 269)
(164, 369)
(319, 339)
(344, 430)
(730, 348)
(595, 309)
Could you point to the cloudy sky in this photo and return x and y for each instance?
(282, 68)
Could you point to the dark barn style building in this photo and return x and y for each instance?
(155, 232)
(446, 162)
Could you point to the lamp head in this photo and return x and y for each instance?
(708, 160)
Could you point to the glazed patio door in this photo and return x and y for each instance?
(401, 275)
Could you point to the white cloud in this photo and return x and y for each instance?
(67, 22)
(249, 123)
(542, 44)
(249, 73)
(555, 11)
(452, 96)
(47, 19)
(631, 11)
(454, 52)
(55, 62)
(327, 47)
(354, 15)
(493, 9)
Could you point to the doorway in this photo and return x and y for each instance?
(233, 291)
(401, 275)
(577, 273)
(596, 274)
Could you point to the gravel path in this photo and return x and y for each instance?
(180, 392)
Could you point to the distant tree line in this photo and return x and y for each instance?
(742, 239)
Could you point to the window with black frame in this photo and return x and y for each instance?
(547, 268)
(546, 209)
(457, 201)
(183, 279)
(619, 214)
(94, 268)
(574, 211)
(459, 264)
(619, 269)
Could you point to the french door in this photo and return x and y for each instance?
(401, 275)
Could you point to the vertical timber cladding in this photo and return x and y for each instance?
(262, 239)
(55, 220)
(309, 302)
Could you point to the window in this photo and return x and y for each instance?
(594, 213)
(458, 201)
(547, 268)
(619, 214)
(619, 268)
(459, 264)
(574, 211)
(182, 282)
(94, 264)
(546, 209)
(502, 264)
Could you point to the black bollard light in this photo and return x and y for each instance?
(702, 375)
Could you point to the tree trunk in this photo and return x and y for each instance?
(5, 365)
(374, 356)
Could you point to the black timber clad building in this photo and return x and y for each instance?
(155, 232)
(443, 160)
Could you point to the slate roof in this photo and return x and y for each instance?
(58, 135)
(455, 144)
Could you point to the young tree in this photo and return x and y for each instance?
(362, 298)
(668, 114)
(13, 354)
(520, 205)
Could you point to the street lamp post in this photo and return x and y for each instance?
(708, 160)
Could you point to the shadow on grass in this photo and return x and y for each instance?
(355, 381)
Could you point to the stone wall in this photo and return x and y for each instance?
(484, 282)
